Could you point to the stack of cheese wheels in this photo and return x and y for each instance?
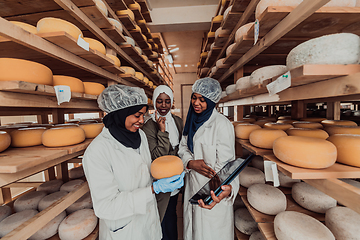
(318, 120)
(258, 162)
(82, 203)
(15, 220)
(243, 83)
(77, 172)
(242, 31)
(27, 137)
(328, 123)
(250, 176)
(303, 124)
(264, 138)
(266, 199)
(243, 130)
(50, 199)
(5, 211)
(128, 70)
(281, 126)
(166, 166)
(93, 88)
(229, 49)
(348, 150)
(261, 122)
(129, 40)
(296, 225)
(92, 129)
(5, 140)
(264, 73)
(139, 75)
(50, 229)
(312, 199)
(115, 59)
(244, 222)
(343, 222)
(96, 45)
(286, 181)
(126, 12)
(75, 84)
(49, 24)
(307, 132)
(341, 48)
(63, 136)
(305, 152)
(13, 69)
(230, 89)
(78, 225)
(331, 130)
(116, 24)
(71, 185)
(29, 201)
(101, 6)
(50, 186)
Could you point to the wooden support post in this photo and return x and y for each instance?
(333, 110)
(298, 109)
(238, 113)
(62, 171)
(49, 174)
(247, 110)
(43, 118)
(58, 116)
(268, 110)
(6, 195)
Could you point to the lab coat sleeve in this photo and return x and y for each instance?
(184, 152)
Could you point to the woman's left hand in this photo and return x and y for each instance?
(225, 193)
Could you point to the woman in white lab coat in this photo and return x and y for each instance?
(208, 143)
(117, 168)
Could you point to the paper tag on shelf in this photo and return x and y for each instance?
(280, 84)
(63, 93)
(256, 31)
(271, 173)
(82, 43)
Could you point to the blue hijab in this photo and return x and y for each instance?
(194, 121)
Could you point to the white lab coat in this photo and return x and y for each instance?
(214, 142)
(120, 185)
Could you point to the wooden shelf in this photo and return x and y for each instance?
(215, 25)
(240, 236)
(117, 5)
(133, 79)
(114, 34)
(231, 20)
(96, 16)
(267, 229)
(257, 151)
(220, 40)
(128, 23)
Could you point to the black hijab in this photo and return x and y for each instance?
(115, 122)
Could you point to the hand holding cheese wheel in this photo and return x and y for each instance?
(92, 129)
(93, 88)
(348, 148)
(75, 84)
(243, 130)
(264, 138)
(307, 132)
(60, 137)
(5, 140)
(166, 166)
(50, 24)
(27, 137)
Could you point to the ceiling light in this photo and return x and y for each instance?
(169, 57)
(174, 50)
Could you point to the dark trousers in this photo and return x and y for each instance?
(169, 223)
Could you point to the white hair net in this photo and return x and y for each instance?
(116, 97)
(209, 88)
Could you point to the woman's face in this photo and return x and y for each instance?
(198, 102)
(163, 104)
(135, 121)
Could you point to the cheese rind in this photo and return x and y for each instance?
(328, 123)
(250, 176)
(50, 186)
(71, 185)
(348, 148)
(50, 199)
(50, 24)
(5, 211)
(62, 136)
(264, 73)
(27, 137)
(50, 229)
(307, 132)
(75, 84)
(5, 140)
(25, 26)
(82, 203)
(92, 130)
(128, 70)
(116, 24)
(230, 89)
(242, 31)
(331, 130)
(127, 12)
(96, 45)
(343, 222)
(264, 138)
(29, 201)
(15, 220)
(304, 124)
(281, 126)
(115, 59)
(101, 6)
(93, 88)
(243, 83)
(244, 222)
(166, 166)
(243, 130)
(77, 172)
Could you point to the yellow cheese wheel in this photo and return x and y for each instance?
(312, 119)
(25, 26)
(238, 122)
(75, 84)
(204, 54)
(128, 70)
(166, 166)
(304, 124)
(149, 45)
(150, 63)
(140, 22)
(50, 24)
(243, 130)
(13, 69)
(5, 140)
(146, 80)
(154, 54)
(139, 75)
(218, 18)
(66, 125)
(96, 45)
(115, 59)
(343, 130)
(223, 2)
(305, 152)
(116, 24)
(145, 57)
(261, 122)
(92, 129)
(60, 137)
(151, 83)
(289, 121)
(27, 137)
(126, 12)
(135, 6)
(348, 148)
(281, 126)
(284, 117)
(137, 28)
(211, 34)
(139, 50)
(101, 6)
(308, 132)
(264, 138)
(327, 123)
(93, 88)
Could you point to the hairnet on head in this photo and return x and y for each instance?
(116, 97)
(209, 88)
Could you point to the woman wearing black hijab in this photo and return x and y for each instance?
(117, 167)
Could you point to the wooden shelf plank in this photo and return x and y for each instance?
(231, 20)
(97, 58)
(113, 69)
(96, 16)
(240, 5)
(258, 151)
(215, 25)
(133, 79)
(114, 34)
(138, 14)
(130, 50)
(117, 5)
(240, 236)
(267, 229)
(220, 40)
(128, 23)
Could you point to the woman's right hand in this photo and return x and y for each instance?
(201, 167)
(160, 122)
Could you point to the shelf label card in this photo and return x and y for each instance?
(280, 84)
(256, 31)
(82, 43)
(63, 93)
(271, 173)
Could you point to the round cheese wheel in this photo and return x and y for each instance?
(29, 201)
(257, 236)
(116, 24)
(25, 26)
(352, 182)
(284, 117)
(211, 34)
(77, 172)
(229, 49)
(340, 48)
(258, 162)
(264, 138)
(144, 57)
(139, 75)
(286, 181)
(220, 62)
(166, 166)
(50, 24)
(128, 70)
(129, 40)
(92, 129)
(115, 59)
(312, 119)
(78, 225)
(150, 63)
(264, 73)
(304, 124)
(96, 45)
(146, 80)
(243, 83)
(101, 6)
(328, 123)
(139, 50)
(263, 4)
(135, 6)
(244, 221)
(5, 211)
(218, 32)
(289, 121)
(230, 89)
(305, 152)
(343, 222)
(71, 185)
(50, 199)
(27, 137)
(93, 88)
(281, 126)
(262, 122)
(50, 229)
(308, 132)
(204, 54)
(13, 69)
(63, 136)
(154, 54)
(82, 203)
(331, 130)
(5, 140)
(226, 12)
(127, 12)
(242, 31)
(75, 84)
(218, 18)
(296, 225)
(50, 186)
(250, 176)
(243, 130)
(15, 220)
(151, 83)
(348, 148)
(312, 199)
(266, 199)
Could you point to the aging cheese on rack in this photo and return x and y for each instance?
(75, 84)
(281, 126)
(308, 132)
(229, 49)
(318, 120)
(77, 172)
(95, 45)
(139, 75)
(135, 6)
(126, 12)
(230, 89)
(166, 166)
(244, 222)
(146, 80)
(27, 137)
(101, 6)
(129, 40)
(257, 236)
(343, 222)
(50, 186)
(243, 130)
(305, 152)
(264, 138)
(71, 185)
(144, 57)
(289, 121)
(258, 162)
(115, 59)
(92, 129)
(128, 70)
(60, 137)
(243, 83)
(261, 122)
(15, 220)
(328, 123)
(211, 34)
(250, 176)
(151, 83)
(29, 201)
(82, 203)
(261, 74)
(218, 18)
(13, 69)
(348, 148)
(116, 24)
(242, 31)
(304, 124)
(50, 229)
(227, 11)
(25, 26)
(221, 31)
(331, 130)
(5, 211)
(50, 24)
(5, 140)
(139, 50)
(50, 199)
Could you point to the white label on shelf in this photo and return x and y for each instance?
(63, 93)
(280, 84)
(271, 173)
(256, 31)
(82, 43)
